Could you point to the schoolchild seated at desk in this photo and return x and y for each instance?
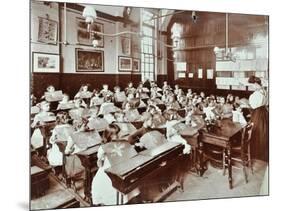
(154, 93)
(41, 118)
(96, 100)
(110, 153)
(198, 109)
(105, 91)
(77, 112)
(65, 103)
(120, 116)
(107, 106)
(181, 98)
(165, 86)
(44, 114)
(177, 89)
(84, 94)
(165, 96)
(130, 89)
(49, 91)
(189, 94)
(131, 113)
(226, 108)
(61, 133)
(118, 96)
(237, 115)
(157, 117)
(172, 132)
(172, 103)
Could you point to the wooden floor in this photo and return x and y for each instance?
(212, 185)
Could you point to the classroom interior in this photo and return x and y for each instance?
(154, 105)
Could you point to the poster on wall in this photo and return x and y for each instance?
(126, 45)
(89, 60)
(86, 38)
(46, 62)
(210, 73)
(47, 31)
(200, 73)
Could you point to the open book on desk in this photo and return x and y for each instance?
(53, 96)
(85, 140)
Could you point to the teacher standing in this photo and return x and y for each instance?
(259, 116)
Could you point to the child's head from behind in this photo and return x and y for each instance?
(62, 118)
(77, 102)
(111, 133)
(117, 89)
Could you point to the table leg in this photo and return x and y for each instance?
(229, 167)
(200, 164)
(87, 185)
(117, 198)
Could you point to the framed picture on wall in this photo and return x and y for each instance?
(136, 65)
(45, 62)
(126, 45)
(125, 63)
(47, 31)
(86, 38)
(89, 60)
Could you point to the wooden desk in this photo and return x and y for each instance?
(46, 131)
(223, 137)
(56, 200)
(191, 135)
(89, 159)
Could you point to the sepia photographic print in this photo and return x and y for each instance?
(179, 114)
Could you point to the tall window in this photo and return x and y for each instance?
(147, 46)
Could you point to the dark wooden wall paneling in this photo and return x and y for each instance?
(71, 82)
(40, 81)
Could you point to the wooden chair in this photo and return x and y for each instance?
(241, 153)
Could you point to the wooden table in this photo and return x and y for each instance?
(222, 137)
(191, 135)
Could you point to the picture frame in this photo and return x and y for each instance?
(84, 37)
(47, 31)
(126, 45)
(125, 64)
(45, 62)
(136, 65)
(89, 60)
